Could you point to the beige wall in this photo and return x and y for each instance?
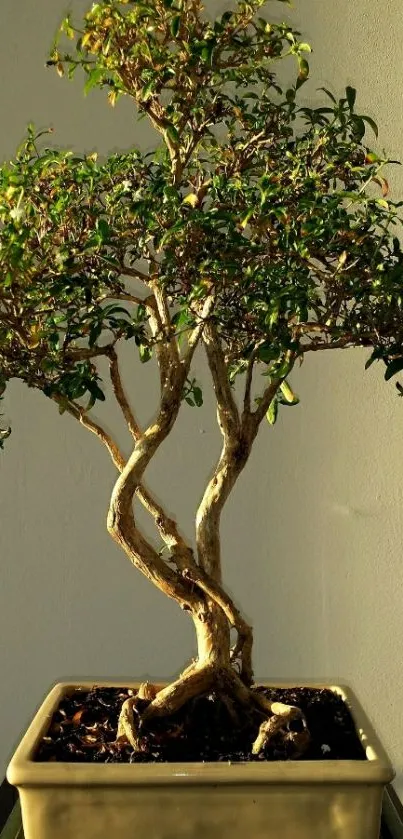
(349, 453)
(321, 497)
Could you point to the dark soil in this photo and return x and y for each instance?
(83, 729)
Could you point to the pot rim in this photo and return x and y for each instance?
(23, 771)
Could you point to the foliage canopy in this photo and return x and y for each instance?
(262, 203)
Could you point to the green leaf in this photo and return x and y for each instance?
(174, 25)
(148, 90)
(369, 361)
(114, 310)
(271, 413)
(189, 401)
(197, 396)
(328, 93)
(359, 126)
(226, 17)
(303, 71)
(282, 369)
(246, 218)
(168, 233)
(371, 123)
(66, 27)
(94, 77)
(393, 367)
(95, 390)
(172, 134)
(288, 397)
(94, 333)
(144, 353)
(207, 52)
(267, 353)
(103, 229)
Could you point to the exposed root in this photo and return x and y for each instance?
(282, 716)
(147, 691)
(234, 687)
(128, 725)
(197, 680)
(127, 730)
(193, 682)
(241, 654)
(189, 669)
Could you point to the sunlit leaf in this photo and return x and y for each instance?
(272, 412)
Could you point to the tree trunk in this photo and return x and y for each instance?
(213, 637)
(195, 584)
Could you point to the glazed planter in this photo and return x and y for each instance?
(264, 800)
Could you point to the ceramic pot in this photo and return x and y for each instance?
(265, 800)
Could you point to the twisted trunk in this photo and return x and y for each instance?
(195, 585)
(233, 458)
(213, 637)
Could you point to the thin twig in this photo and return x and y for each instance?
(120, 395)
(248, 383)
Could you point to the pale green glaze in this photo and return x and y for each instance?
(278, 800)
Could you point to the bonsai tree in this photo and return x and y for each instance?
(258, 229)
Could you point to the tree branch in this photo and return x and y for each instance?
(248, 384)
(232, 459)
(231, 462)
(132, 298)
(166, 526)
(136, 274)
(196, 333)
(254, 419)
(175, 584)
(182, 554)
(162, 350)
(167, 329)
(234, 455)
(124, 531)
(122, 528)
(120, 395)
(82, 353)
(120, 522)
(227, 411)
(79, 414)
(341, 344)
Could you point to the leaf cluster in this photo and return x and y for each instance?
(278, 211)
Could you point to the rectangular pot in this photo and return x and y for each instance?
(265, 800)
